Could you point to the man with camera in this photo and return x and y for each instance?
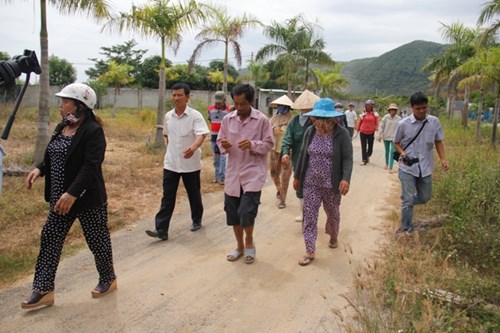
(414, 140)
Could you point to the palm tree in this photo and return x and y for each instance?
(222, 28)
(443, 66)
(483, 69)
(257, 72)
(312, 51)
(296, 47)
(490, 10)
(97, 9)
(330, 83)
(163, 20)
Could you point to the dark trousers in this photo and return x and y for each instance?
(94, 224)
(171, 179)
(366, 145)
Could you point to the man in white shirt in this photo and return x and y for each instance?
(352, 117)
(185, 130)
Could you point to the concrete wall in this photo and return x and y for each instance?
(148, 98)
(128, 97)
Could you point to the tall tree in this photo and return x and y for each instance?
(483, 68)
(61, 71)
(119, 54)
(330, 82)
(165, 21)
(222, 28)
(295, 46)
(147, 74)
(257, 72)
(97, 9)
(490, 10)
(443, 67)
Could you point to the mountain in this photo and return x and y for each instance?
(397, 72)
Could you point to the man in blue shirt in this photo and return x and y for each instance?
(417, 159)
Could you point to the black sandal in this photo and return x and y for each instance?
(38, 299)
(102, 289)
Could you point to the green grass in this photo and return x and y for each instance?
(399, 293)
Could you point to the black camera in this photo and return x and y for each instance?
(11, 69)
(409, 160)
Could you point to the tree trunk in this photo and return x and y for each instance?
(306, 83)
(465, 109)
(42, 134)
(159, 142)
(495, 119)
(479, 113)
(226, 60)
(113, 111)
(449, 104)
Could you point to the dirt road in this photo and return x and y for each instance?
(186, 285)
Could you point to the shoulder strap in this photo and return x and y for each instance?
(420, 130)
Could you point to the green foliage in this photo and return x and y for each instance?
(61, 72)
(117, 75)
(271, 77)
(197, 79)
(296, 46)
(469, 193)
(397, 72)
(4, 55)
(120, 54)
(218, 64)
(148, 72)
(445, 277)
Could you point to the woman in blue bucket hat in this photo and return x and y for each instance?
(323, 173)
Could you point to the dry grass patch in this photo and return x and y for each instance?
(133, 175)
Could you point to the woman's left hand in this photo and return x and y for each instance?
(344, 187)
(64, 204)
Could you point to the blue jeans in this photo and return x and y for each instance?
(219, 163)
(414, 191)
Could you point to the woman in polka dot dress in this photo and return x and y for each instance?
(74, 188)
(323, 173)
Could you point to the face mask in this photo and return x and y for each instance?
(282, 109)
(70, 119)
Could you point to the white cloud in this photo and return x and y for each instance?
(352, 29)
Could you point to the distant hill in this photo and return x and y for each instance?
(397, 72)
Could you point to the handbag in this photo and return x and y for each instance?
(396, 155)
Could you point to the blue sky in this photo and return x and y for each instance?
(352, 29)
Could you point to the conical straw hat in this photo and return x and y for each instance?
(306, 100)
(283, 100)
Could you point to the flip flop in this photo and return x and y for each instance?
(234, 255)
(305, 260)
(249, 255)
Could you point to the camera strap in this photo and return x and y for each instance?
(418, 133)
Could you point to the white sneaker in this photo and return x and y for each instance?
(298, 218)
